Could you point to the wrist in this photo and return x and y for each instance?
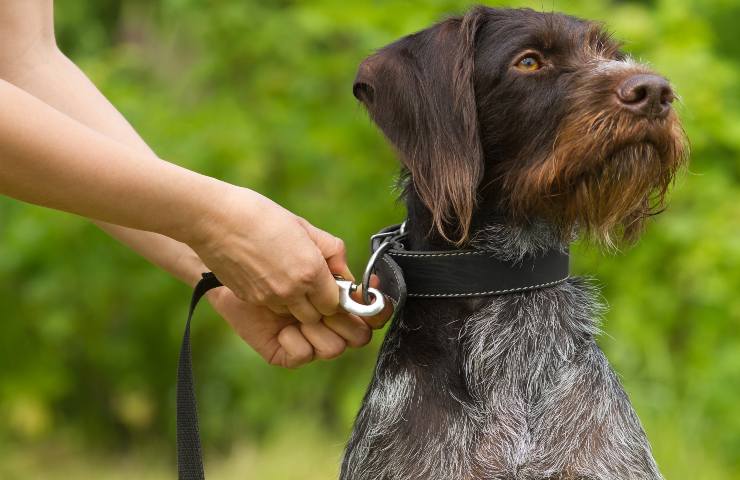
(235, 208)
(188, 267)
(199, 204)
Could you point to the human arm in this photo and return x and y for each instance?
(288, 345)
(29, 58)
(49, 159)
(261, 251)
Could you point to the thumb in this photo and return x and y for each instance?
(332, 248)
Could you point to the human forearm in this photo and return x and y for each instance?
(261, 251)
(76, 169)
(250, 242)
(258, 249)
(173, 257)
(54, 79)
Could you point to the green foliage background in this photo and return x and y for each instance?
(259, 93)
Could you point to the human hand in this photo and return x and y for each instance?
(283, 341)
(270, 257)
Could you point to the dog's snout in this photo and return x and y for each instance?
(646, 95)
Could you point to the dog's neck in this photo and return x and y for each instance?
(490, 231)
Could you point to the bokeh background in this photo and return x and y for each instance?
(259, 93)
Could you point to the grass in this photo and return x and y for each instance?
(297, 449)
(289, 453)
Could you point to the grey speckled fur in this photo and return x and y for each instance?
(525, 394)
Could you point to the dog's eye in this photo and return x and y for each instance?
(529, 63)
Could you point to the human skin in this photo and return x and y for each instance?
(107, 172)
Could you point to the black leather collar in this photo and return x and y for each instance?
(457, 273)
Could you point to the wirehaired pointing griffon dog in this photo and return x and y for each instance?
(517, 131)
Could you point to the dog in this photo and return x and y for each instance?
(517, 131)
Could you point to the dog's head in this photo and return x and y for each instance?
(529, 115)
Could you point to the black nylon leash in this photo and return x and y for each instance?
(403, 273)
(189, 452)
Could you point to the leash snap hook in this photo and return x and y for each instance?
(346, 288)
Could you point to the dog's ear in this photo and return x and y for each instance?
(419, 90)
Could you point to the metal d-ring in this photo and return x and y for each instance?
(346, 287)
(370, 267)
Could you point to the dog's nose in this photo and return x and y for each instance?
(646, 95)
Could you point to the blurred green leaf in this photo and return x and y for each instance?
(259, 94)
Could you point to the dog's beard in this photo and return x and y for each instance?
(605, 175)
(611, 203)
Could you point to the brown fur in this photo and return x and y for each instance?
(438, 139)
(557, 146)
(607, 172)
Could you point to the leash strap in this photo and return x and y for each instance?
(189, 453)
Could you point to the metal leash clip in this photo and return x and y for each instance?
(346, 288)
(373, 299)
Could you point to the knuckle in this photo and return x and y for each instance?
(282, 291)
(241, 292)
(309, 274)
(302, 221)
(313, 317)
(303, 357)
(306, 316)
(243, 296)
(258, 298)
(341, 248)
(293, 364)
(381, 319)
(328, 310)
(331, 354)
(274, 362)
(361, 337)
(297, 358)
(332, 351)
(376, 323)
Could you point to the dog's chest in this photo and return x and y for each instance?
(512, 388)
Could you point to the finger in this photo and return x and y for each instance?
(281, 310)
(324, 296)
(338, 264)
(298, 350)
(376, 321)
(352, 329)
(305, 312)
(332, 248)
(215, 294)
(326, 344)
